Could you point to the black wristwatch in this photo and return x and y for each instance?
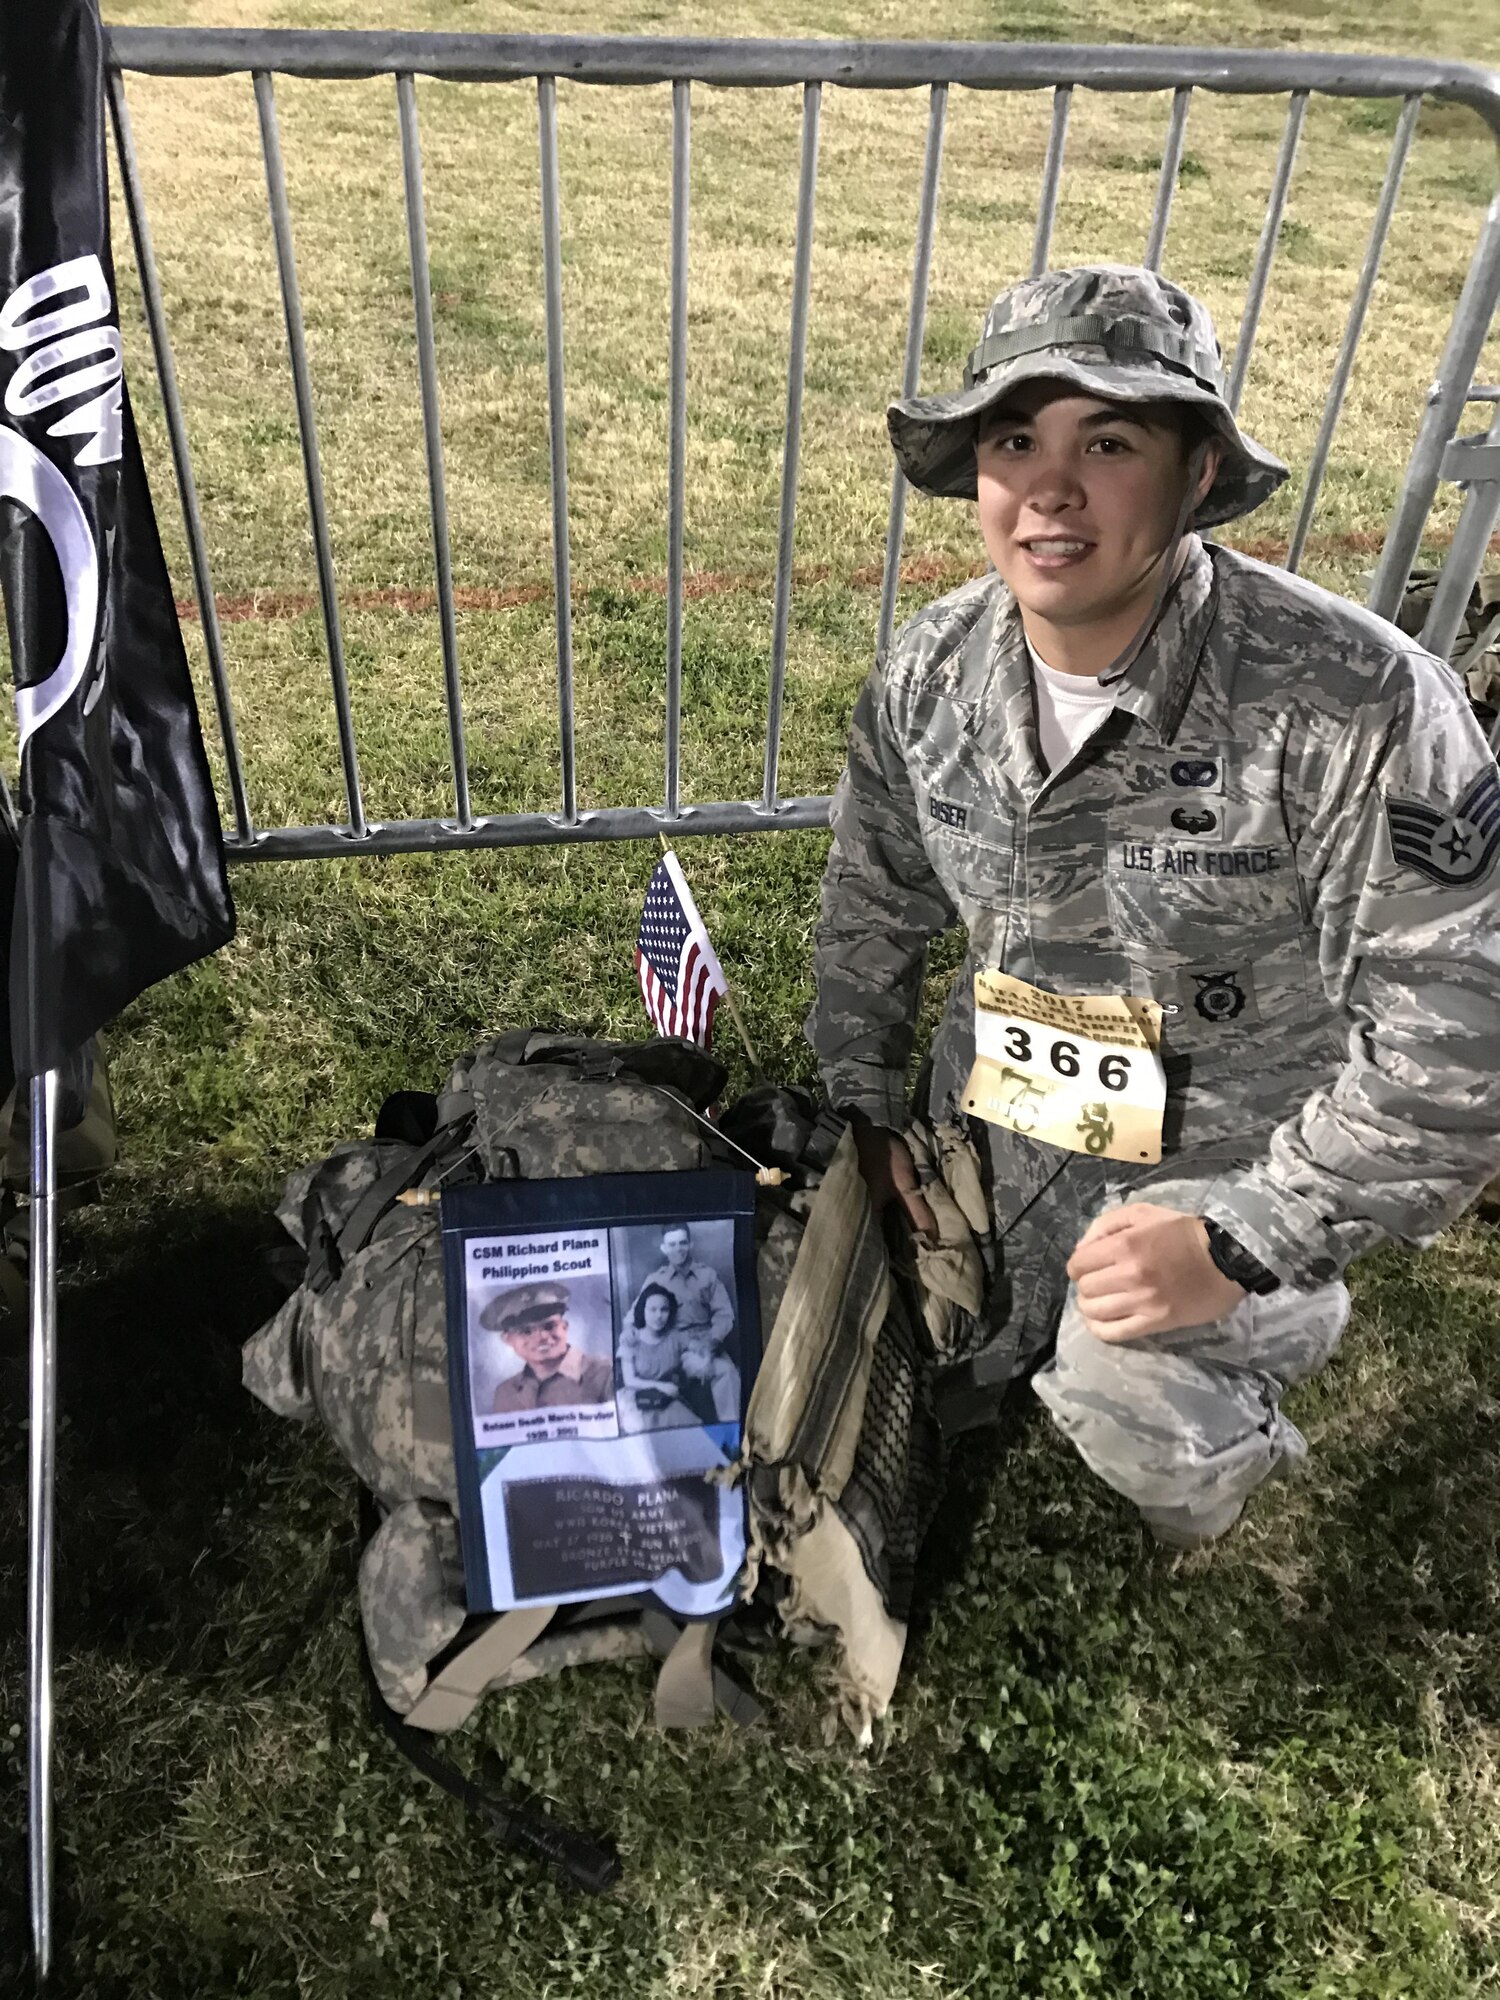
(1235, 1261)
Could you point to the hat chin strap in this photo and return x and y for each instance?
(1125, 660)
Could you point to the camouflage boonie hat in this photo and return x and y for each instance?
(1116, 331)
(524, 1306)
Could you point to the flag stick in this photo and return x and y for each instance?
(42, 1471)
(744, 1036)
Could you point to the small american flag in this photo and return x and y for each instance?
(678, 969)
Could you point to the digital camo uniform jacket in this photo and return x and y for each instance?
(1286, 832)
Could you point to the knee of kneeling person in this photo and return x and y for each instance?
(1186, 1474)
(1284, 1337)
(1193, 1450)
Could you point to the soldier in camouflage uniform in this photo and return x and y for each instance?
(1280, 822)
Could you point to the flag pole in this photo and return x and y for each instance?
(730, 1000)
(744, 1035)
(42, 1470)
(88, 605)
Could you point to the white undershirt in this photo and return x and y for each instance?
(1069, 708)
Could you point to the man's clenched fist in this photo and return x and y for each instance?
(1143, 1269)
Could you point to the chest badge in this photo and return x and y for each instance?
(1220, 996)
(1193, 822)
(1196, 773)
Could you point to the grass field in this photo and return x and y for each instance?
(1273, 1770)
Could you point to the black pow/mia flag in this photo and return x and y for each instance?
(119, 879)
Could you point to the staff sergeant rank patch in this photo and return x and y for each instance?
(1451, 849)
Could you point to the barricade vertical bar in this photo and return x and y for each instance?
(1379, 229)
(437, 494)
(812, 100)
(911, 372)
(1445, 405)
(187, 489)
(546, 111)
(1471, 540)
(1166, 186)
(682, 112)
(1046, 211)
(41, 1495)
(1270, 235)
(291, 302)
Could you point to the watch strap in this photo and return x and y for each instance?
(1236, 1262)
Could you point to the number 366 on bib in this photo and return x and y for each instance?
(1080, 1071)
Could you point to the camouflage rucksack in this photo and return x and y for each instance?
(362, 1346)
(362, 1343)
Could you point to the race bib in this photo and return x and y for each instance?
(1076, 1070)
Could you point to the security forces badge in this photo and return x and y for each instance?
(1220, 996)
(1451, 849)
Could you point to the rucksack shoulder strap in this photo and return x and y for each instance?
(690, 1688)
(374, 1202)
(510, 1047)
(453, 1693)
(328, 1250)
(685, 1683)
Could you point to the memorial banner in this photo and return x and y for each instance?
(603, 1334)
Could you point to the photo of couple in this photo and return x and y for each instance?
(675, 1357)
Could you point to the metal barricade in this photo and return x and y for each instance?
(809, 66)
